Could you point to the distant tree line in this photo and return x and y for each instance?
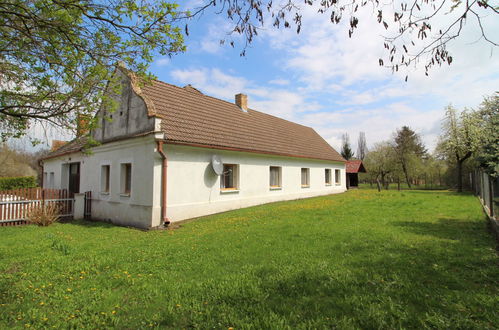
(469, 139)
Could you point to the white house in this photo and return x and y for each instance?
(154, 164)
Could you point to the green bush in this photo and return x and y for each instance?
(18, 182)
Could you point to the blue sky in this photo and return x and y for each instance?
(323, 79)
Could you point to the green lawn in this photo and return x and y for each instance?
(411, 259)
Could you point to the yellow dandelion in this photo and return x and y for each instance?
(68, 290)
(114, 312)
(42, 303)
(178, 305)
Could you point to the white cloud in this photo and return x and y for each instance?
(213, 82)
(280, 82)
(335, 85)
(163, 61)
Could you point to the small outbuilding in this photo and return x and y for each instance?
(353, 168)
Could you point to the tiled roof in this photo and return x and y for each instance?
(355, 166)
(70, 147)
(191, 117)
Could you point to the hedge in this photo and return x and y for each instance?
(18, 182)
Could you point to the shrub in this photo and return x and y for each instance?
(18, 182)
(44, 215)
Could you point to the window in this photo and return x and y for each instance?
(104, 178)
(126, 178)
(327, 173)
(305, 177)
(337, 178)
(229, 178)
(275, 177)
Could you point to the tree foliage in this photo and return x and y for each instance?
(381, 162)
(346, 149)
(15, 163)
(488, 153)
(409, 150)
(57, 57)
(461, 137)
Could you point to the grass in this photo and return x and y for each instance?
(404, 186)
(411, 259)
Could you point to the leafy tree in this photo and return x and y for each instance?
(346, 149)
(362, 146)
(381, 162)
(488, 154)
(462, 136)
(57, 57)
(409, 150)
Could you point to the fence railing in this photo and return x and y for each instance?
(487, 189)
(15, 205)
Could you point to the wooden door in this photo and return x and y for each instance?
(74, 177)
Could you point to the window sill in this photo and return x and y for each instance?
(104, 192)
(305, 186)
(229, 191)
(275, 188)
(124, 195)
(338, 184)
(328, 184)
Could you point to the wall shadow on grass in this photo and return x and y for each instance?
(90, 224)
(466, 231)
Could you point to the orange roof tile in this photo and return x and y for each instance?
(191, 117)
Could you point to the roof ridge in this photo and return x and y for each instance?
(202, 94)
(218, 99)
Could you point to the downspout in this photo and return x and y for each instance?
(164, 167)
(40, 164)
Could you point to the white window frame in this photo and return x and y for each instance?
(105, 179)
(124, 190)
(275, 186)
(230, 170)
(306, 171)
(328, 176)
(337, 177)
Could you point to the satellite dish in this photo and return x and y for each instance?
(217, 165)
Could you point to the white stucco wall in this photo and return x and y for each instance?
(194, 189)
(134, 210)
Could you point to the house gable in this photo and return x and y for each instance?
(133, 116)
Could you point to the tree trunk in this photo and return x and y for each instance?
(404, 168)
(459, 176)
(460, 162)
(398, 183)
(378, 184)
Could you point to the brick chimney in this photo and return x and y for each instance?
(242, 101)
(82, 122)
